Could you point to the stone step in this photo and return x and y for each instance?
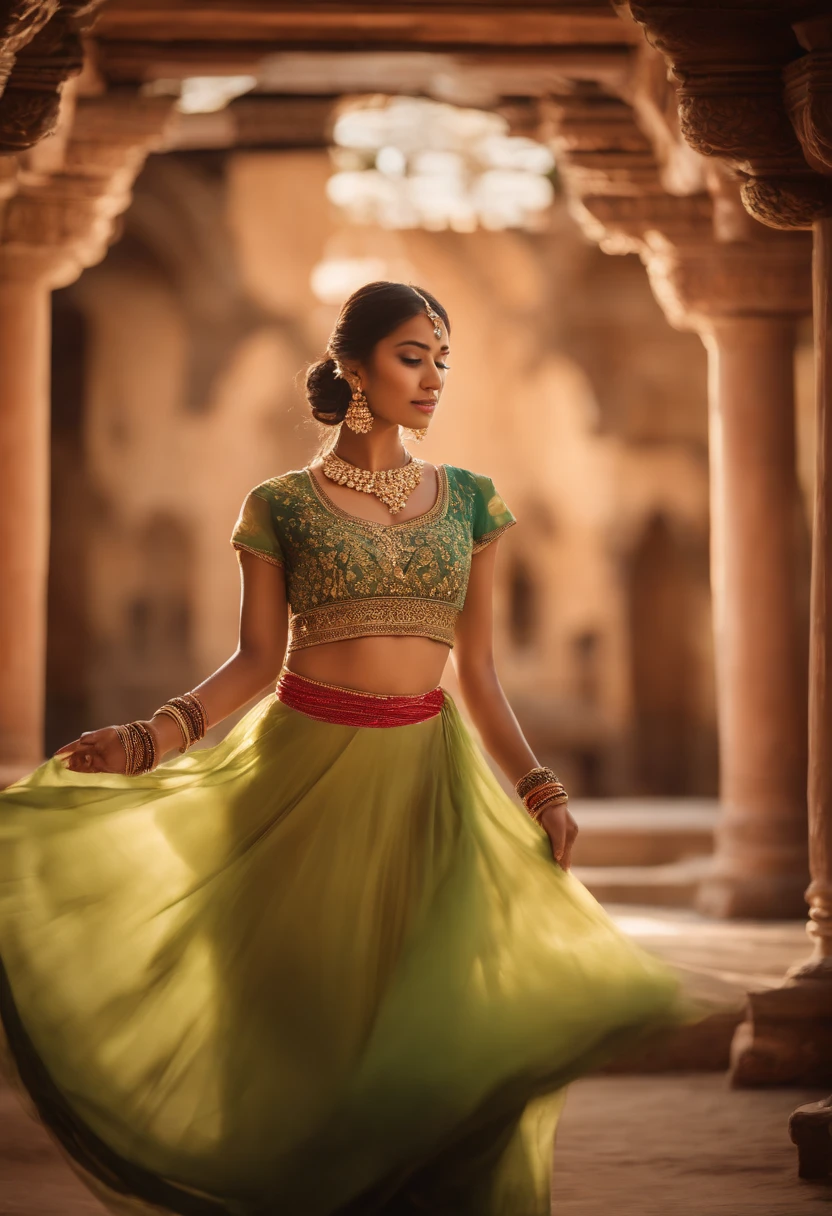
(672, 885)
(642, 832)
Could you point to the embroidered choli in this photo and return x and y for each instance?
(348, 577)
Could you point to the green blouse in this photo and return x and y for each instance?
(348, 577)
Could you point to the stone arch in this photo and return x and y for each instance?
(177, 224)
(674, 738)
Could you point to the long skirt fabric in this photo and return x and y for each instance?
(314, 969)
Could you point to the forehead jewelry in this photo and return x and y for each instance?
(434, 316)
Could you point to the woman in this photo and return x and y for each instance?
(328, 965)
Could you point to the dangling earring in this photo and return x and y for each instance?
(358, 417)
(417, 433)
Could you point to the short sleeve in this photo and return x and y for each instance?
(255, 532)
(491, 515)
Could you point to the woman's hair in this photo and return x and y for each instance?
(370, 314)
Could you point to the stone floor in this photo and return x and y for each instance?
(674, 1144)
(680, 1145)
(720, 959)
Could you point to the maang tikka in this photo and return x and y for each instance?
(434, 316)
(358, 416)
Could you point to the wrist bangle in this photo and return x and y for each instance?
(170, 711)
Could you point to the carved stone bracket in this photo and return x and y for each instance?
(20, 20)
(730, 65)
(699, 284)
(30, 102)
(808, 98)
(58, 224)
(612, 176)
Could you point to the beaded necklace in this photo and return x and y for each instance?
(393, 487)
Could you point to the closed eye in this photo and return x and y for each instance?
(416, 362)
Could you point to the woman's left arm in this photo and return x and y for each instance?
(473, 658)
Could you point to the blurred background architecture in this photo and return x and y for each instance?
(616, 202)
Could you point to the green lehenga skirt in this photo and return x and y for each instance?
(314, 969)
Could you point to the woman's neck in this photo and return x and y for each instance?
(381, 448)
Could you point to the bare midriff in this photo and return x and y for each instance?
(402, 666)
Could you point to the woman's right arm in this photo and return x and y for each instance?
(254, 665)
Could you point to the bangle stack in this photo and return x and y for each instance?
(139, 747)
(538, 789)
(190, 716)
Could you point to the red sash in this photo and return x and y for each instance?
(348, 707)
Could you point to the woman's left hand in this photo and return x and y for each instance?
(562, 830)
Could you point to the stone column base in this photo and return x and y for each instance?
(786, 1037)
(754, 896)
(810, 1128)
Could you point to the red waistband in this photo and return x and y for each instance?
(348, 707)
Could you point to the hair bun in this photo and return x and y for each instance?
(328, 395)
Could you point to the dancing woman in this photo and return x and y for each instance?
(327, 966)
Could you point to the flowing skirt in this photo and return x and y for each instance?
(314, 969)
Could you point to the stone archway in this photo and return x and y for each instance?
(674, 744)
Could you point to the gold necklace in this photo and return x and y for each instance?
(393, 487)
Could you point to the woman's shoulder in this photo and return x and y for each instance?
(468, 480)
(274, 488)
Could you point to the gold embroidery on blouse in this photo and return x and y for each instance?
(352, 577)
(380, 615)
(267, 557)
(489, 536)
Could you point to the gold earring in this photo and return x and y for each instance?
(358, 416)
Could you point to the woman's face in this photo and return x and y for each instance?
(405, 375)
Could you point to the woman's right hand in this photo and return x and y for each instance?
(562, 831)
(96, 751)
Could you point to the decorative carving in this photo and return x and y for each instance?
(653, 96)
(718, 118)
(808, 97)
(60, 224)
(613, 179)
(31, 101)
(698, 284)
(730, 63)
(793, 201)
(20, 20)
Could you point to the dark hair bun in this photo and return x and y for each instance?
(327, 394)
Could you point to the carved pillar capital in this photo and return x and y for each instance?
(730, 66)
(57, 224)
(42, 64)
(612, 176)
(808, 99)
(20, 20)
(702, 284)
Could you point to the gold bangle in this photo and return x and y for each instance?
(541, 775)
(124, 738)
(203, 712)
(555, 800)
(178, 717)
(543, 791)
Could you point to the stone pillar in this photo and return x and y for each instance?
(748, 97)
(50, 229)
(24, 509)
(743, 298)
(820, 637)
(716, 271)
(760, 858)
